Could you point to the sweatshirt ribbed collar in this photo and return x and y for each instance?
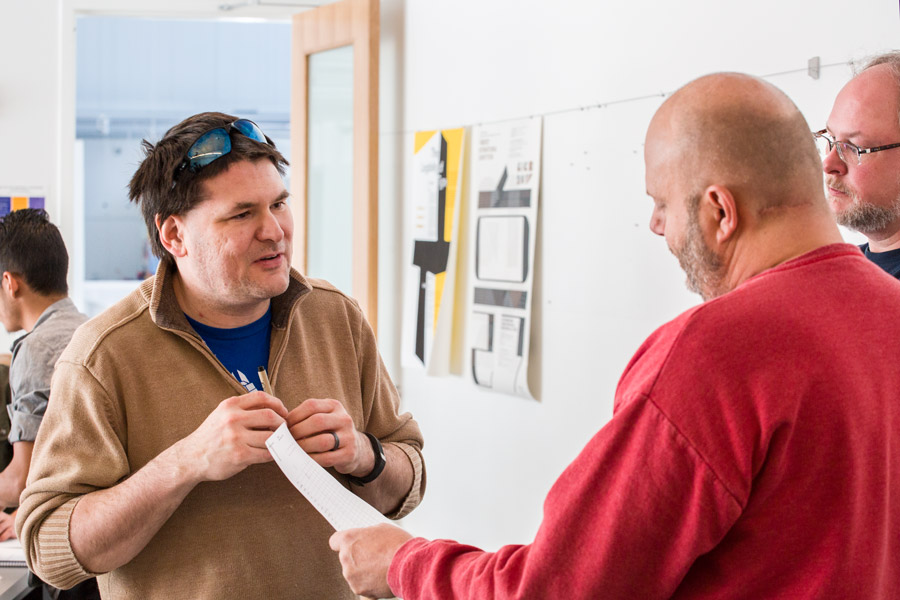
(168, 314)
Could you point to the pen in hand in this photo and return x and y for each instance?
(264, 378)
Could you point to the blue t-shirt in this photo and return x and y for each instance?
(243, 350)
(888, 260)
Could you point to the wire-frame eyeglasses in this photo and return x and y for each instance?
(846, 150)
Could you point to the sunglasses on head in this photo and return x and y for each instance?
(216, 143)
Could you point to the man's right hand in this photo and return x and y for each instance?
(109, 527)
(233, 436)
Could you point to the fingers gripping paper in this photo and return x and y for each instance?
(339, 506)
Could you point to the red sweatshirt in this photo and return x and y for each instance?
(754, 453)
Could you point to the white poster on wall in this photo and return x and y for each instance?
(502, 225)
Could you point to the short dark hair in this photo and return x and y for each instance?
(32, 247)
(154, 186)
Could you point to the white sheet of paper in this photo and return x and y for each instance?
(340, 507)
(502, 249)
(11, 550)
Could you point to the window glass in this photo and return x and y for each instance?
(138, 77)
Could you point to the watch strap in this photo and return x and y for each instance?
(380, 462)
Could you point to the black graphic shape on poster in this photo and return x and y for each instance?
(431, 257)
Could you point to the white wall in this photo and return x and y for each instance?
(30, 118)
(605, 282)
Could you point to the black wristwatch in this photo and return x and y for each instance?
(380, 461)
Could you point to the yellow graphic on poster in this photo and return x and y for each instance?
(433, 222)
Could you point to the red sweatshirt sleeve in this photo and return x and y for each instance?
(625, 520)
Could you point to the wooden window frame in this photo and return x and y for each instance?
(346, 23)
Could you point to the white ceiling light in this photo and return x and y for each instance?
(236, 5)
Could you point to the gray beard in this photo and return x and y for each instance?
(703, 268)
(868, 218)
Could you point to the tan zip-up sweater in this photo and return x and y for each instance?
(136, 379)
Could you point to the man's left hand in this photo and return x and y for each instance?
(366, 556)
(320, 422)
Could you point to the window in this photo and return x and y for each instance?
(135, 79)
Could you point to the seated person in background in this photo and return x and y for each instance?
(6, 450)
(755, 447)
(151, 468)
(34, 298)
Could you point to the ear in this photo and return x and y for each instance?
(719, 212)
(171, 234)
(12, 285)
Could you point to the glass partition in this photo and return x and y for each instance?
(330, 163)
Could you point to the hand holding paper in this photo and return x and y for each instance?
(326, 432)
(366, 556)
(232, 437)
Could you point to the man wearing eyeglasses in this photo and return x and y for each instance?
(755, 447)
(860, 149)
(151, 470)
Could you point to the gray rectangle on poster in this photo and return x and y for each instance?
(504, 199)
(505, 298)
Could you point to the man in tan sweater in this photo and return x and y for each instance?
(150, 470)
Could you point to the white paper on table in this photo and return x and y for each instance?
(11, 552)
(340, 507)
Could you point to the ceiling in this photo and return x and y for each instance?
(197, 9)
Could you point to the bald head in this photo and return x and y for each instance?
(887, 64)
(875, 92)
(734, 175)
(740, 132)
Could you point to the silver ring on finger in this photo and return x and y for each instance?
(337, 441)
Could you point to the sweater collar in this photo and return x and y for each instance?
(167, 313)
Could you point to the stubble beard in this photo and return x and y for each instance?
(863, 216)
(702, 267)
(230, 291)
